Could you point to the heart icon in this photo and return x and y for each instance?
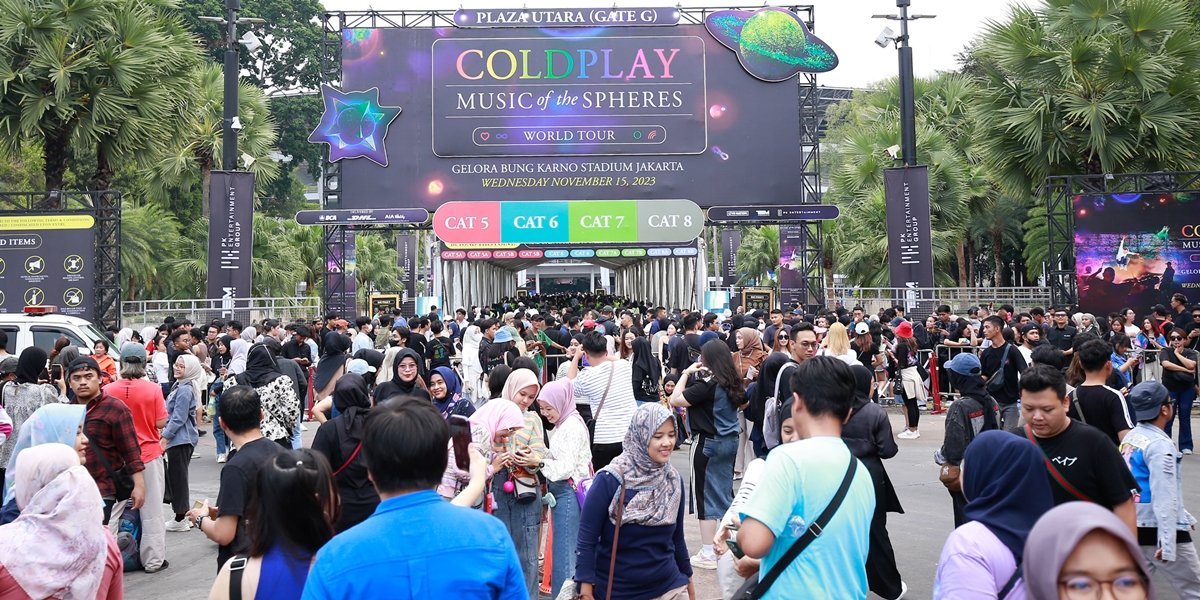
(483, 135)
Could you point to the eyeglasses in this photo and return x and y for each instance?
(1124, 587)
(1176, 338)
(404, 367)
(809, 344)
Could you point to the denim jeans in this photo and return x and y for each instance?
(297, 443)
(523, 522)
(1184, 399)
(218, 433)
(718, 475)
(565, 515)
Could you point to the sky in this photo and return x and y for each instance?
(846, 25)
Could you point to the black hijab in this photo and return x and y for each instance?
(227, 341)
(31, 364)
(260, 368)
(399, 387)
(351, 399)
(373, 358)
(644, 363)
(333, 358)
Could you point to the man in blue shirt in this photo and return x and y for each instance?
(798, 483)
(415, 545)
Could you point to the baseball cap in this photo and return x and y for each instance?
(359, 366)
(1029, 327)
(965, 363)
(588, 324)
(862, 328)
(83, 362)
(503, 336)
(1147, 399)
(133, 352)
(8, 365)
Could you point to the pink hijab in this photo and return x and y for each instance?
(57, 547)
(560, 395)
(497, 415)
(517, 381)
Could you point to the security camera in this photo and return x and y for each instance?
(885, 37)
(236, 124)
(250, 41)
(894, 151)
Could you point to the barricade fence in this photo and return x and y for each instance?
(923, 301)
(143, 313)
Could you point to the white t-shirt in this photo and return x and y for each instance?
(159, 362)
(618, 408)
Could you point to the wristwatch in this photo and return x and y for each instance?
(199, 522)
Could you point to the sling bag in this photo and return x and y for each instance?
(1058, 477)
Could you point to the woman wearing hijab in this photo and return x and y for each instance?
(521, 510)
(868, 434)
(280, 406)
(22, 397)
(51, 424)
(748, 358)
(239, 351)
(568, 460)
(58, 547)
(982, 558)
(491, 426)
(340, 440)
(408, 377)
(446, 392)
(331, 365)
(472, 370)
(651, 555)
(180, 436)
(1081, 549)
(647, 372)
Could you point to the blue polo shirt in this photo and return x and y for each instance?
(419, 546)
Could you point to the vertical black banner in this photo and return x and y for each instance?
(230, 234)
(792, 285)
(406, 257)
(730, 240)
(910, 248)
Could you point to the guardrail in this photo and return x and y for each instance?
(959, 298)
(141, 313)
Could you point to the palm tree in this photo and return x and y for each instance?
(274, 265)
(149, 241)
(376, 265)
(758, 256)
(196, 145)
(1087, 87)
(307, 243)
(105, 75)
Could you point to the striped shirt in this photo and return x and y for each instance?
(618, 408)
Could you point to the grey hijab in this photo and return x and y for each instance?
(1054, 537)
(658, 485)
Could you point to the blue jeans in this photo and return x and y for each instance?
(218, 433)
(297, 443)
(523, 522)
(1184, 399)
(566, 531)
(718, 475)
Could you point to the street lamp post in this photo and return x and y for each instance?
(230, 124)
(908, 119)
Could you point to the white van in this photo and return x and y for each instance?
(41, 326)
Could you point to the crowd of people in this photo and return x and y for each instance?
(542, 430)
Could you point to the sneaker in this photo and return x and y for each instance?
(174, 525)
(903, 590)
(700, 561)
(908, 434)
(1187, 450)
(161, 567)
(221, 458)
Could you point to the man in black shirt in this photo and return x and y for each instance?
(1182, 317)
(685, 350)
(1094, 402)
(1081, 462)
(225, 523)
(1061, 334)
(776, 324)
(1002, 367)
(297, 348)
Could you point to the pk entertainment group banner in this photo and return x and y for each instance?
(230, 234)
(910, 247)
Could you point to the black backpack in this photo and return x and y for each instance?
(439, 352)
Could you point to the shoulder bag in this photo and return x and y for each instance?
(753, 590)
(1058, 477)
(591, 424)
(612, 561)
(122, 480)
(995, 385)
(771, 418)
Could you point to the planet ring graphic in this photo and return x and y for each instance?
(772, 44)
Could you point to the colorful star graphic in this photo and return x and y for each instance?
(354, 125)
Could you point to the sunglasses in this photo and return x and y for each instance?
(1176, 338)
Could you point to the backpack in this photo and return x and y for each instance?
(438, 352)
(129, 539)
(771, 417)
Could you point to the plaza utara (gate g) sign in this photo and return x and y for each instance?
(633, 113)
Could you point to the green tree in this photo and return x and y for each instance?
(376, 265)
(274, 265)
(196, 148)
(102, 74)
(1087, 87)
(149, 242)
(758, 256)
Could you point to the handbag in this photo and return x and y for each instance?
(591, 424)
(582, 486)
(525, 486)
(995, 385)
(752, 589)
(771, 418)
(122, 480)
(951, 477)
(612, 561)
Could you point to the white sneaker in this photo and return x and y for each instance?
(220, 458)
(183, 525)
(1187, 450)
(908, 434)
(903, 590)
(700, 561)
